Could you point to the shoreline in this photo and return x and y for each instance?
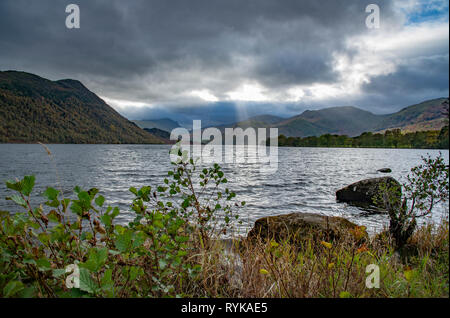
(169, 144)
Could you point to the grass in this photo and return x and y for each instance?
(262, 269)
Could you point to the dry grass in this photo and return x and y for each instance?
(324, 269)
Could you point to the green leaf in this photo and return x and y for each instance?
(123, 241)
(12, 288)
(84, 197)
(51, 194)
(93, 192)
(158, 224)
(76, 293)
(76, 208)
(106, 219)
(44, 238)
(138, 239)
(409, 274)
(28, 292)
(181, 239)
(102, 254)
(58, 272)
(28, 185)
(185, 203)
(53, 204)
(16, 186)
(54, 216)
(97, 258)
(134, 191)
(161, 189)
(107, 282)
(99, 200)
(29, 261)
(86, 282)
(345, 294)
(18, 199)
(115, 212)
(43, 264)
(134, 272)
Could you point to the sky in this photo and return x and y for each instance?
(226, 60)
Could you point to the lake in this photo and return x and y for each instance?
(306, 180)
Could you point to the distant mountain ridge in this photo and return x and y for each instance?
(261, 121)
(160, 133)
(352, 121)
(346, 120)
(427, 115)
(165, 124)
(35, 109)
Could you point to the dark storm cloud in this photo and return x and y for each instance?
(290, 41)
(415, 80)
(157, 52)
(418, 75)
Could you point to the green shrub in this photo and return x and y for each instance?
(427, 185)
(149, 257)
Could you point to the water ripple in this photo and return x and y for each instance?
(306, 180)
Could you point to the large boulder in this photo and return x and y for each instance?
(297, 227)
(364, 193)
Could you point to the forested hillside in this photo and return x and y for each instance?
(35, 109)
(431, 139)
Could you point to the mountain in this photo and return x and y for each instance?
(427, 115)
(34, 109)
(352, 121)
(165, 124)
(267, 119)
(346, 120)
(160, 133)
(261, 121)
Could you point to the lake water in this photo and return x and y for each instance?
(306, 180)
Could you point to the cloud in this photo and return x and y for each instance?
(221, 60)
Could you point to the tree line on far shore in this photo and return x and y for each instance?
(395, 138)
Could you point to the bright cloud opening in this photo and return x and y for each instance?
(248, 92)
(204, 95)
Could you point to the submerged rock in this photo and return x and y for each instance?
(363, 193)
(296, 227)
(385, 170)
